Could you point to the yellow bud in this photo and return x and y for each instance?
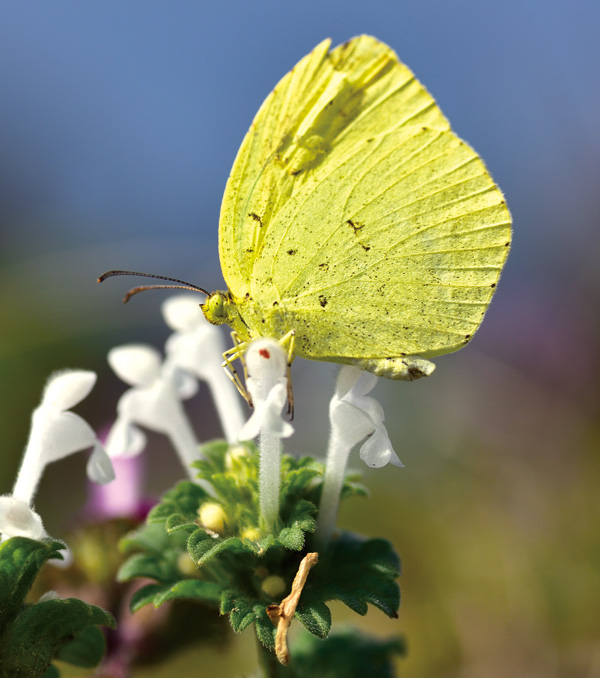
(251, 533)
(186, 565)
(213, 517)
(234, 456)
(273, 586)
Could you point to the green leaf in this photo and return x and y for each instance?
(315, 617)
(265, 630)
(51, 672)
(145, 596)
(229, 598)
(20, 562)
(151, 538)
(352, 487)
(86, 649)
(214, 451)
(346, 654)
(303, 516)
(292, 538)
(227, 488)
(198, 543)
(142, 565)
(185, 498)
(296, 481)
(357, 571)
(38, 632)
(190, 588)
(267, 542)
(381, 556)
(240, 609)
(355, 601)
(230, 546)
(177, 522)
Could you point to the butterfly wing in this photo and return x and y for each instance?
(354, 215)
(394, 250)
(312, 118)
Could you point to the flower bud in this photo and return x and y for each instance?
(213, 517)
(274, 586)
(186, 565)
(251, 533)
(235, 454)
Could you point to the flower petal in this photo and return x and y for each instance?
(60, 434)
(184, 383)
(252, 427)
(267, 414)
(200, 352)
(273, 422)
(135, 364)
(369, 406)
(377, 451)
(182, 313)
(17, 519)
(65, 389)
(350, 424)
(124, 439)
(99, 467)
(364, 384)
(156, 407)
(266, 363)
(346, 379)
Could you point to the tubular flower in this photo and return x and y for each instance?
(197, 347)
(154, 401)
(55, 433)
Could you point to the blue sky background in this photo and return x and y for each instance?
(119, 122)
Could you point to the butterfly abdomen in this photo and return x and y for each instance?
(407, 368)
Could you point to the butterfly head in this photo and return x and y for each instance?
(219, 308)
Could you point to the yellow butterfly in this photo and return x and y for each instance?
(356, 227)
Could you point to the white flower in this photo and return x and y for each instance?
(18, 519)
(354, 415)
(197, 347)
(267, 385)
(55, 433)
(154, 401)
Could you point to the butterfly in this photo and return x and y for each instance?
(356, 227)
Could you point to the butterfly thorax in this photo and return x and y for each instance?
(220, 308)
(247, 318)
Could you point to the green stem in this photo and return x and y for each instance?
(270, 666)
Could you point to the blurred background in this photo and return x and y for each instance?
(119, 122)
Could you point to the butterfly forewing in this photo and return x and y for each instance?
(315, 114)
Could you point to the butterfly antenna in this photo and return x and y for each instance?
(183, 285)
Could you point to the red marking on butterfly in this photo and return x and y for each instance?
(264, 353)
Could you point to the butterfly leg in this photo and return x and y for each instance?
(290, 340)
(230, 356)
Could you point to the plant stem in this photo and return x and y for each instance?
(270, 666)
